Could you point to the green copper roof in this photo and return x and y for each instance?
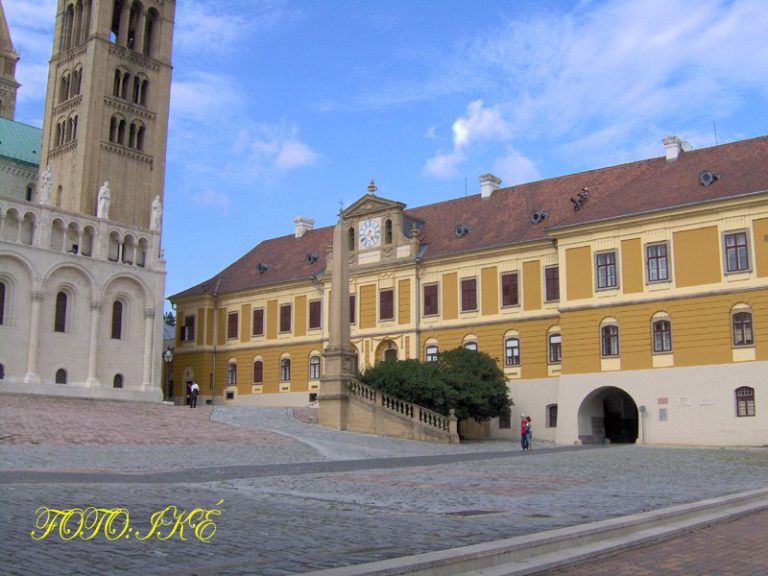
(20, 142)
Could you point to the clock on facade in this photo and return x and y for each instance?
(370, 233)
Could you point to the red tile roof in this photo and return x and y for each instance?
(505, 217)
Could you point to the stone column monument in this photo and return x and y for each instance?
(339, 354)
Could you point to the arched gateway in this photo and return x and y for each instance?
(608, 413)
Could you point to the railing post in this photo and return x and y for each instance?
(453, 427)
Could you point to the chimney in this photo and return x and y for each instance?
(303, 225)
(488, 185)
(674, 145)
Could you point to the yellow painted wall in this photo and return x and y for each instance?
(578, 279)
(532, 285)
(300, 316)
(489, 283)
(696, 256)
(209, 326)
(404, 301)
(632, 266)
(450, 296)
(701, 332)
(271, 319)
(760, 242)
(222, 326)
(245, 322)
(367, 306)
(199, 326)
(180, 316)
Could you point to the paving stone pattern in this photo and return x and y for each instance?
(339, 498)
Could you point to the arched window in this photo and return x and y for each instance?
(124, 86)
(113, 122)
(552, 416)
(742, 329)
(745, 401)
(609, 339)
(231, 374)
(149, 30)
(144, 91)
(471, 345)
(662, 336)
(64, 87)
(388, 232)
(351, 239)
(431, 353)
(140, 138)
(314, 368)
(117, 320)
(61, 376)
(133, 24)
(30, 192)
(117, 83)
(117, 381)
(136, 89)
(132, 136)
(285, 370)
(555, 348)
(2, 303)
(60, 315)
(121, 132)
(512, 352)
(258, 372)
(77, 78)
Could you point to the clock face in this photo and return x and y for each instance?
(370, 233)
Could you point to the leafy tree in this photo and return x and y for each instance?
(469, 382)
(169, 319)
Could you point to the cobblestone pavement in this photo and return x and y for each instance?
(295, 497)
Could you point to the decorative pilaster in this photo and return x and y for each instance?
(149, 323)
(34, 339)
(93, 349)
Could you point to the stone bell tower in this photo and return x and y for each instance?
(8, 59)
(106, 109)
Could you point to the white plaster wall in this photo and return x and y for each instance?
(15, 273)
(531, 397)
(701, 404)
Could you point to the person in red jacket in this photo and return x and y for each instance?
(523, 433)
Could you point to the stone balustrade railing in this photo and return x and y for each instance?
(426, 418)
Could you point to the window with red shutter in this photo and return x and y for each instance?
(430, 300)
(314, 314)
(468, 294)
(285, 318)
(552, 282)
(232, 325)
(509, 292)
(386, 304)
(258, 322)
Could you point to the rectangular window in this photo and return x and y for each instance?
(736, 252)
(745, 402)
(430, 300)
(258, 322)
(509, 291)
(468, 294)
(352, 308)
(606, 270)
(2, 302)
(662, 336)
(314, 314)
(657, 262)
(610, 340)
(555, 349)
(552, 283)
(232, 319)
(505, 420)
(285, 318)
(258, 372)
(512, 352)
(188, 330)
(386, 304)
(742, 329)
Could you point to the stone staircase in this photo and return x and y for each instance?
(371, 411)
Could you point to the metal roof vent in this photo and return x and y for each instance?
(537, 216)
(461, 230)
(263, 267)
(708, 177)
(311, 258)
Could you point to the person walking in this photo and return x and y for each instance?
(528, 433)
(194, 390)
(523, 433)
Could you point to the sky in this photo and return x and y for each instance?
(281, 108)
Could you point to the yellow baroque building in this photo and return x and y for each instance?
(627, 303)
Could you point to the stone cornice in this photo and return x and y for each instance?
(129, 152)
(128, 107)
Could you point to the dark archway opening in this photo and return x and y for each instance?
(608, 414)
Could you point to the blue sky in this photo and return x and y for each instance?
(286, 108)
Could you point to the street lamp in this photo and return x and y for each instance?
(168, 359)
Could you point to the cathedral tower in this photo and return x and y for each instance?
(8, 59)
(106, 108)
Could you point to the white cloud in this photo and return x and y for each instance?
(514, 168)
(478, 124)
(444, 166)
(212, 198)
(277, 148)
(205, 97)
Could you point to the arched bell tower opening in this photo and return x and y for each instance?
(610, 414)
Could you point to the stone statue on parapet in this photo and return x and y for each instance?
(156, 214)
(104, 199)
(46, 183)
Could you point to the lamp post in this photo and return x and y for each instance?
(168, 359)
